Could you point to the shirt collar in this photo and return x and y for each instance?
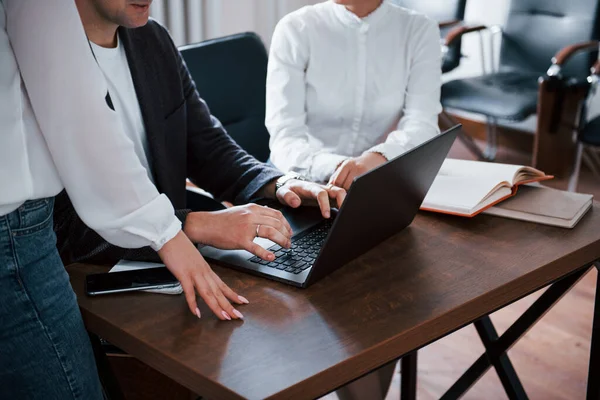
(350, 19)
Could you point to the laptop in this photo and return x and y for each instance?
(379, 204)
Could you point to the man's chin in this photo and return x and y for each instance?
(136, 22)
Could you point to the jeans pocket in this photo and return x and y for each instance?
(34, 215)
(33, 205)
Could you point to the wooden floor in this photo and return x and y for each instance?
(551, 359)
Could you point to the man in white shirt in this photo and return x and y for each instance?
(175, 137)
(351, 84)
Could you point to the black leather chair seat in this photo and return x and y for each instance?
(509, 95)
(591, 132)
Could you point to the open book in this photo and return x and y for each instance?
(466, 188)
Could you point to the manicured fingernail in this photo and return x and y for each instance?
(243, 299)
(238, 314)
(197, 312)
(271, 256)
(327, 214)
(227, 317)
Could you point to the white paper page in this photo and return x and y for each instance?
(459, 194)
(125, 265)
(477, 169)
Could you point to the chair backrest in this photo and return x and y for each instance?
(537, 29)
(230, 74)
(441, 11)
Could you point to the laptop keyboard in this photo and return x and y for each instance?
(303, 253)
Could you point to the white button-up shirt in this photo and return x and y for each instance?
(73, 139)
(339, 86)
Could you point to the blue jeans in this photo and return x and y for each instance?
(45, 352)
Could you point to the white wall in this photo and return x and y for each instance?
(485, 12)
(214, 18)
(258, 16)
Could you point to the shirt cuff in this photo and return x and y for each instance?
(152, 224)
(388, 150)
(324, 165)
(171, 231)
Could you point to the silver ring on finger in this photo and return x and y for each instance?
(257, 230)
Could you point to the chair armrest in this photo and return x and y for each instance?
(447, 24)
(567, 52)
(594, 78)
(459, 31)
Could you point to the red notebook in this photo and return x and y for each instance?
(466, 188)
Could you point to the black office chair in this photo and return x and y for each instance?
(448, 13)
(230, 74)
(538, 34)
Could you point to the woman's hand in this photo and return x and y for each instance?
(353, 167)
(184, 260)
(296, 193)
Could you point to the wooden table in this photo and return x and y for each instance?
(434, 277)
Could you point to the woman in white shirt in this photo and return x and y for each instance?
(351, 84)
(73, 140)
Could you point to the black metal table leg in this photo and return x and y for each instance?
(496, 347)
(408, 383)
(504, 368)
(109, 382)
(593, 388)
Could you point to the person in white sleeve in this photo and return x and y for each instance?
(351, 84)
(57, 131)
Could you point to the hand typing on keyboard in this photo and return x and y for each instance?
(303, 252)
(296, 193)
(236, 227)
